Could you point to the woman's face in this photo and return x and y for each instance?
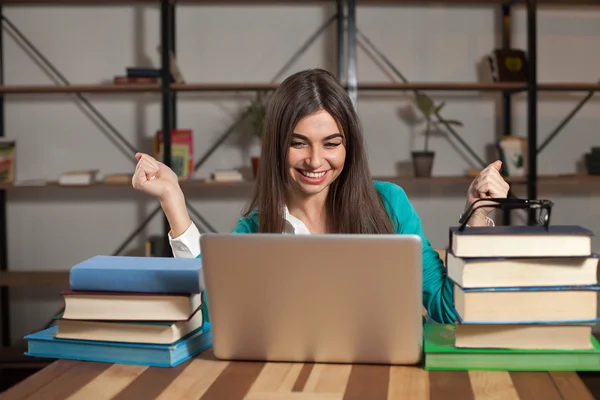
(317, 153)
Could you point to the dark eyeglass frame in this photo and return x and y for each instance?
(508, 203)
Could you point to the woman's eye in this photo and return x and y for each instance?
(297, 144)
(332, 145)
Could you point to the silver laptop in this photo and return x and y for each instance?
(314, 298)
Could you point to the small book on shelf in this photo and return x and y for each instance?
(7, 160)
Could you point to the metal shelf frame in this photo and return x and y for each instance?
(348, 34)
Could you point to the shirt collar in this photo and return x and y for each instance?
(293, 224)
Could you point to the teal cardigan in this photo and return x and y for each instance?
(437, 288)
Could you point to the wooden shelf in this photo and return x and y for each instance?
(202, 184)
(257, 86)
(302, 2)
(92, 88)
(568, 86)
(34, 278)
(223, 87)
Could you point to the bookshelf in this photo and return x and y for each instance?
(168, 93)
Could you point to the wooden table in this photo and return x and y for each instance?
(205, 377)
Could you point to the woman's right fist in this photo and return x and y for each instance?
(153, 177)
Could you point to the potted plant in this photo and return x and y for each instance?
(257, 112)
(423, 160)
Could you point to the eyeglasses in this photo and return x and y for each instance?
(542, 207)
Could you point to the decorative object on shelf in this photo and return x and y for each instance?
(182, 151)
(176, 74)
(423, 160)
(7, 160)
(258, 112)
(592, 161)
(508, 65)
(513, 153)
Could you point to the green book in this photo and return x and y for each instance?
(440, 354)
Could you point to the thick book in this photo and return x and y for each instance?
(521, 241)
(527, 305)
(130, 306)
(490, 272)
(45, 344)
(138, 275)
(524, 336)
(442, 354)
(162, 332)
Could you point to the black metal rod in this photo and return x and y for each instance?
(565, 121)
(351, 66)
(506, 96)
(302, 49)
(167, 99)
(227, 133)
(136, 232)
(65, 81)
(311, 39)
(173, 41)
(340, 40)
(200, 217)
(532, 105)
(437, 114)
(4, 295)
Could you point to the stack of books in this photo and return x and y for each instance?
(131, 310)
(526, 297)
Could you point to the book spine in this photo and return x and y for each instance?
(136, 281)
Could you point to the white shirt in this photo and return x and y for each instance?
(187, 245)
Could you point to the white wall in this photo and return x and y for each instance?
(54, 229)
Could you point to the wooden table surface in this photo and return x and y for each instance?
(205, 377)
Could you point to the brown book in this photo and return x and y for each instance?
(528, 336)
(163, 332)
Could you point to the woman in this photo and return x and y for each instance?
(314, 178)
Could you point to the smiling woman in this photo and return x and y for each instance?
(314, 178)
(317, 164)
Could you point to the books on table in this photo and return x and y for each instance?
(442, 353)
(138, 310)
(520, 288)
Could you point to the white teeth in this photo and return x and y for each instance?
(313, 175)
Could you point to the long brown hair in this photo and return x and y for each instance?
(353, 203)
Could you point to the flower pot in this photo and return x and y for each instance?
(422, 163)
(255, 161)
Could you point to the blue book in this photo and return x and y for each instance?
(45, 344)
(138, 275)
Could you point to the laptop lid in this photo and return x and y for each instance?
(314, 298)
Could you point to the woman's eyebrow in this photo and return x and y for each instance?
(303, 137)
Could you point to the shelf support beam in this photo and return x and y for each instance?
(340, 40)
(4, 295)
(166, 29)
(390, 65)
(566, 120)
(532, 105)
(311, 39)
(506, 96)
(224, 136)
(351, 67)
(130, 149)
